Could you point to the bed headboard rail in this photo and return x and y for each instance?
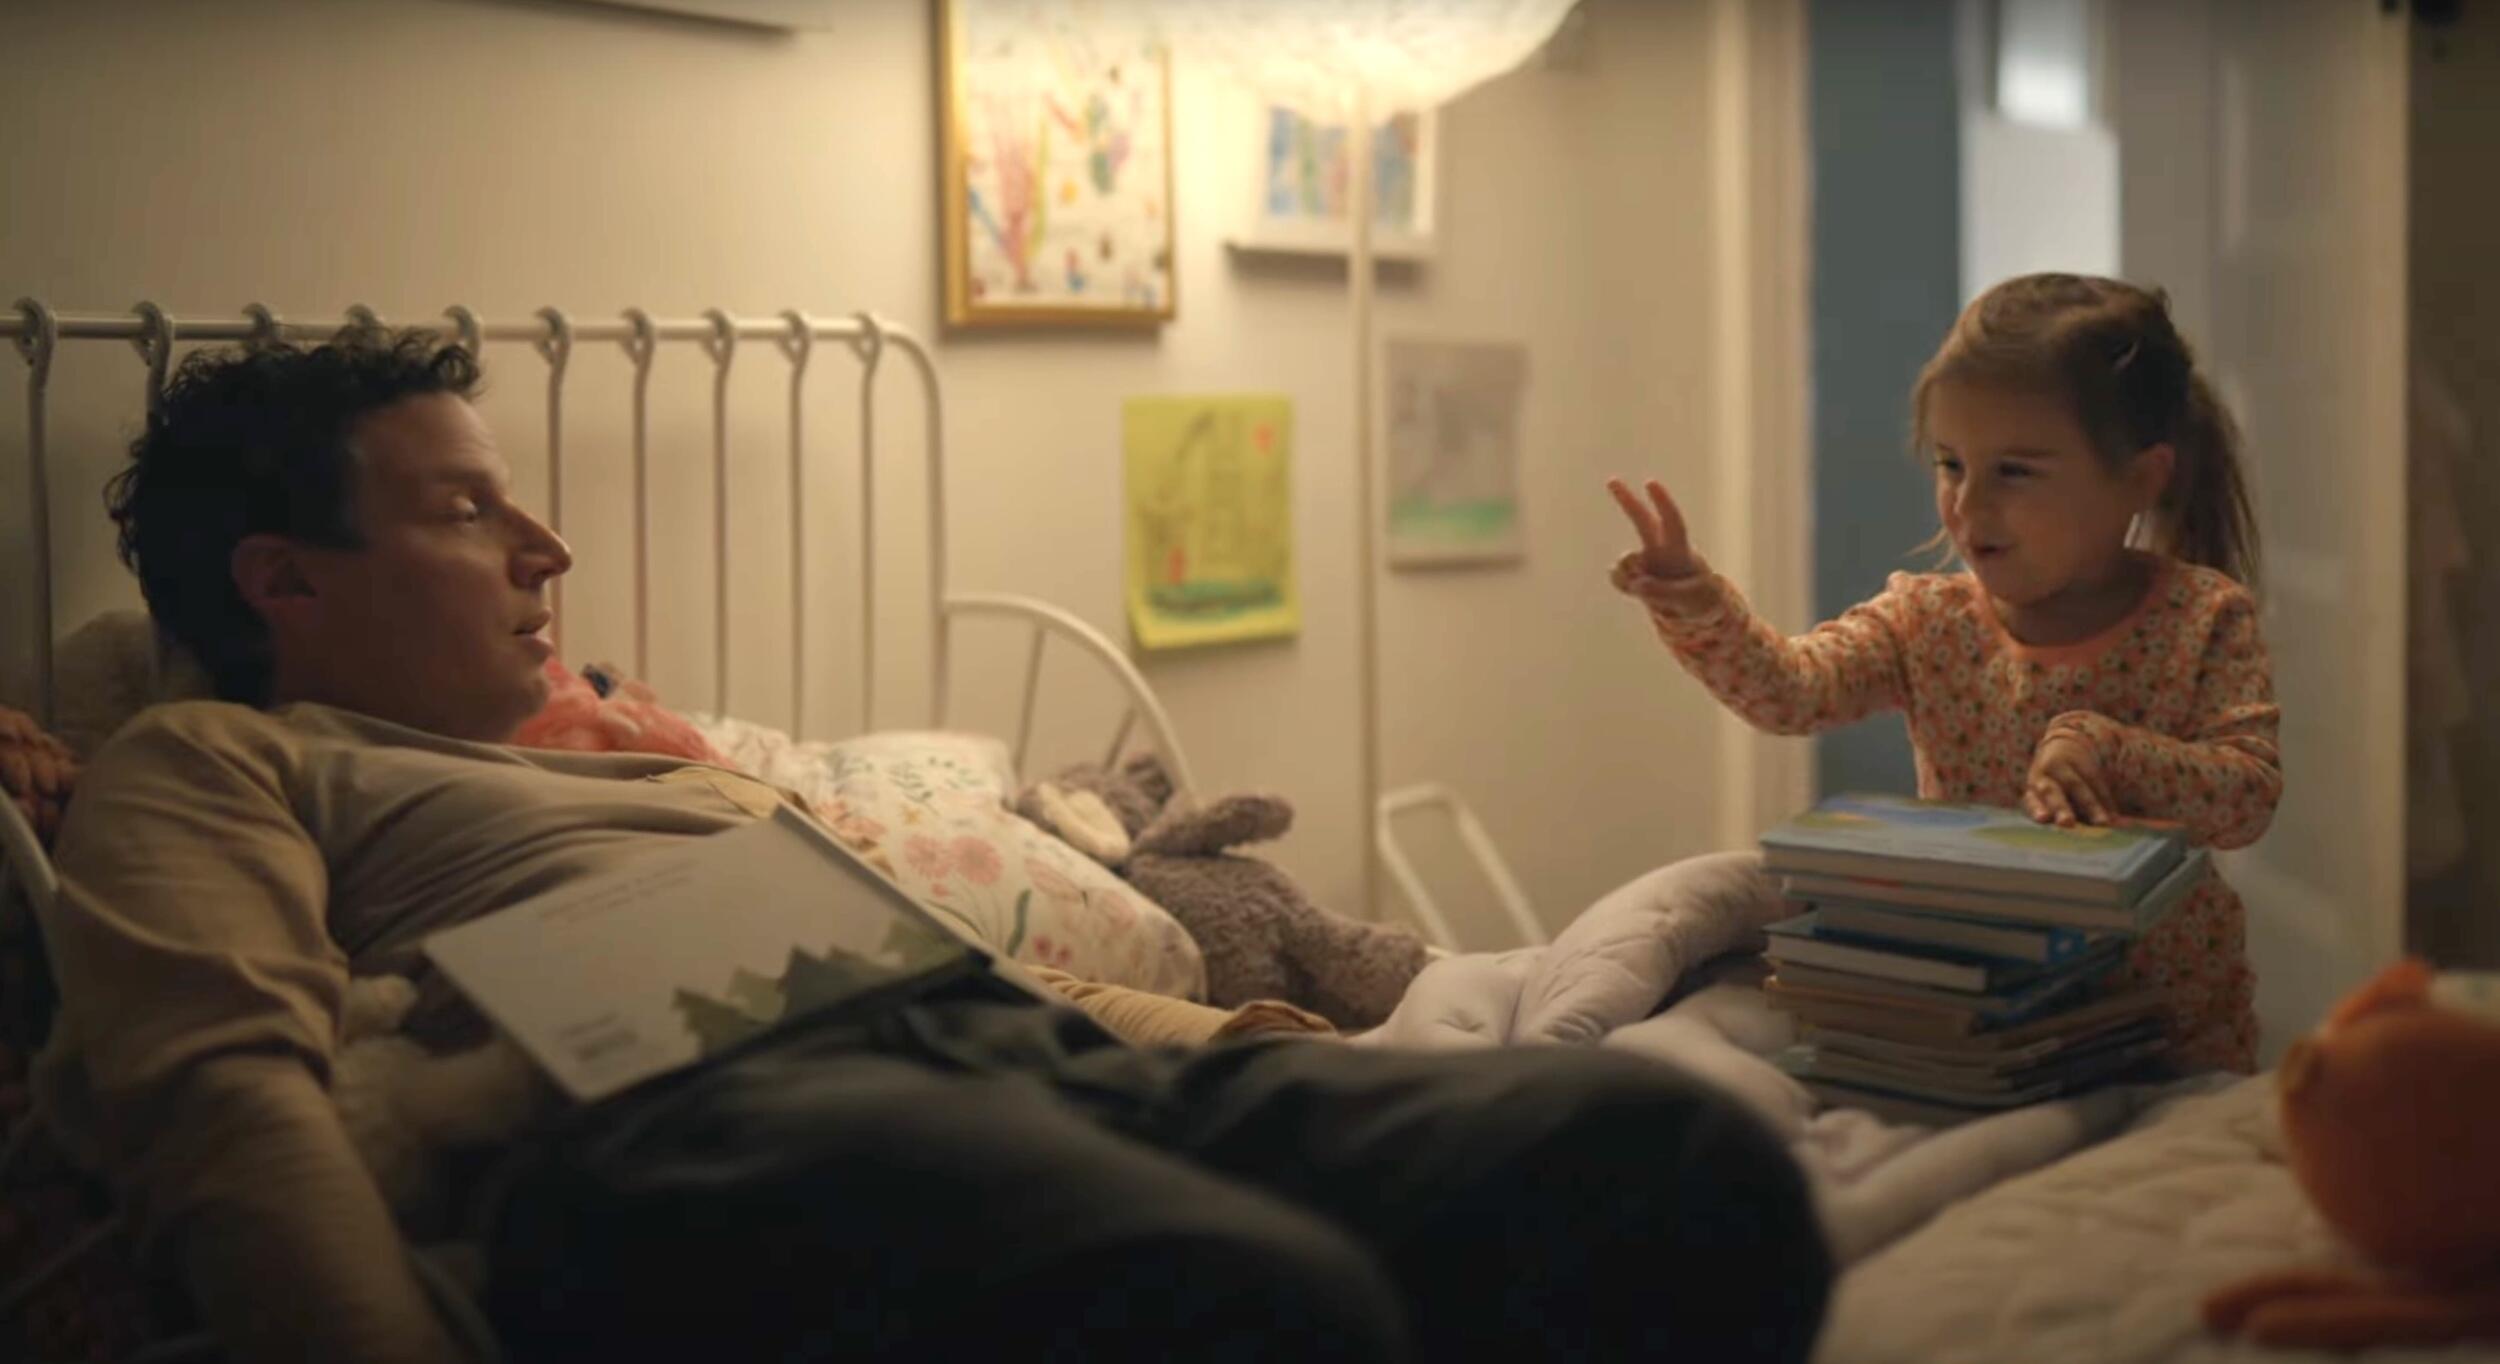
(792, 338)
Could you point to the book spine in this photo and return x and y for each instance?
(1856, 886)
(2044, 946)
(2087, 893)
(1875, 962)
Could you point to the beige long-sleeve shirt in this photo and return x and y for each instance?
(224, 871)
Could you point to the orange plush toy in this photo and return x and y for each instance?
(2391, 1115)
(624, 717)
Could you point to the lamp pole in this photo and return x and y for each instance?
(1366, 497)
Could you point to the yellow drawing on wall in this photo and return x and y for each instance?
(1210, 520)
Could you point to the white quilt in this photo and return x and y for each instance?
(1694, 925)
(2103, 1257)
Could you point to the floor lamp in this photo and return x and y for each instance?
(1360, 58)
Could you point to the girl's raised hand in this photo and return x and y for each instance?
(1666, 551)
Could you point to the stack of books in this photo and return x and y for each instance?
(1953, 960)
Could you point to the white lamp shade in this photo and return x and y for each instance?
(1403, 54)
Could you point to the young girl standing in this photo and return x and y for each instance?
(2100, 656)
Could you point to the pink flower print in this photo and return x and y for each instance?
(977, 860)
(1051, 882)
(1050, 952)
(849, 825)
(926, 855)
(1106, 916)
(1116, 908)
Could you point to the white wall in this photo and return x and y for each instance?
(2034, 197)
(509, 154)
(2162, 109)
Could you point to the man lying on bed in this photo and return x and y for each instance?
(332, 532)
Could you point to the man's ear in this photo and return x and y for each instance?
(270, 572)
(2155, 465)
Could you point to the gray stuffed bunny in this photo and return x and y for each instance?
(1262, 938)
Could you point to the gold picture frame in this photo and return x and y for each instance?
(1055, 168)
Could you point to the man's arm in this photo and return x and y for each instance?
(200, 999)
(285, 1243)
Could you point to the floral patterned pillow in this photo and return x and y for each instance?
(929, 810)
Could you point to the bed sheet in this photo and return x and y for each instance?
(2105, 1256)
(1686, 936)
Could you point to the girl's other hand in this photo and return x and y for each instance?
(2067, 786)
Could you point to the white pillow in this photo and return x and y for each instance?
(109, 670)
(930, 811)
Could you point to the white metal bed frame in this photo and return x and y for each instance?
(38, 333)
(1480, 849)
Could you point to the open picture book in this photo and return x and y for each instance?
(697, 949)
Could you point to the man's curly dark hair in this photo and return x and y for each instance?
(254, 441)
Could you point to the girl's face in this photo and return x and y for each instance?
(2024, 498)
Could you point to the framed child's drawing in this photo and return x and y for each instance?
(1453, 418)
(1056, 165)
(1210, 520)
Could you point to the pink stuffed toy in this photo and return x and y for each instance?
(629, 720)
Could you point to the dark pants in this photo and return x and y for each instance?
(967, 1179)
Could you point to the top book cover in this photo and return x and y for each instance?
(1976, 847)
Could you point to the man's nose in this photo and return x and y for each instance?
(541, 556)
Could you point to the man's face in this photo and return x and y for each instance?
(438, 621)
